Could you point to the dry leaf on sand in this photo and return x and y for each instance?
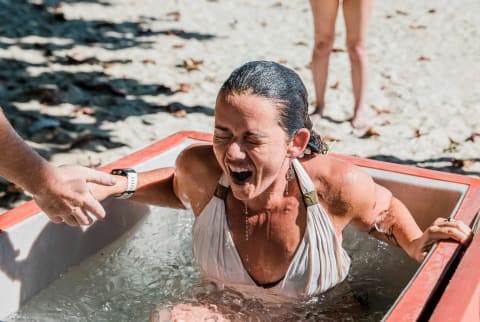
(369, 133)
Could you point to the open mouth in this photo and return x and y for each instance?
(240, 175)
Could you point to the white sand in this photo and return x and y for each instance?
(431, 103)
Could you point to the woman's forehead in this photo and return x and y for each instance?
(246, 110)
(248, 103)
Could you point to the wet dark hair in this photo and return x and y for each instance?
(281, 84)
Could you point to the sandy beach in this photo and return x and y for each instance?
(87, 82)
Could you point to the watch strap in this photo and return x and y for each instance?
(132, 180)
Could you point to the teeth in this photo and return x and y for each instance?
(238, 169)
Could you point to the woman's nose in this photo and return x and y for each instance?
(235, 151)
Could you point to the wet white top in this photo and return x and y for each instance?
(320, 261)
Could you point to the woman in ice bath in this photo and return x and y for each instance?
(270, 206)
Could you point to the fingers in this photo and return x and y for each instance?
(88, 175)
(451, 229)
(77, 217)
(94, 207)
(56, 219)
(99, 177)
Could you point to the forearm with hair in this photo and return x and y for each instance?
(18, 162)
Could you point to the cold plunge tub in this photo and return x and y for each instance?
(134, 270)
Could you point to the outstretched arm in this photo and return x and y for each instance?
(388, 219)
(192, 182)
(61, 192)
(154, 187)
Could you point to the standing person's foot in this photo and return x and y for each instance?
(317, 114)
(359, 121)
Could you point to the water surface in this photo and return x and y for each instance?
(152, 267)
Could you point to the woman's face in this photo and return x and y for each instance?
(249, 144)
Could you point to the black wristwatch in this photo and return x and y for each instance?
(131, 175)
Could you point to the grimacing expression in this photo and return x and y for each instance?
(249, 143)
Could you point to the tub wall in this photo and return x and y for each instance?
(35, 252)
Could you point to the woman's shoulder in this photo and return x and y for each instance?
(338, 183)
(327, 168)
(198, 161)
(196, 175)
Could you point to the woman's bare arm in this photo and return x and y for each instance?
(375, 209)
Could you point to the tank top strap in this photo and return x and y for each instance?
(222, 188)
(306, 184)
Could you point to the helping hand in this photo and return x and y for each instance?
(65, 195)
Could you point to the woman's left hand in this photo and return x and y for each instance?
(441, 229)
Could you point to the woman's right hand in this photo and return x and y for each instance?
(441, 229)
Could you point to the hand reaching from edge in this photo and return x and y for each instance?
(442, 229)
(65, 195)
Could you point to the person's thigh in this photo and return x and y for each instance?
(357, 15)
(324, 16)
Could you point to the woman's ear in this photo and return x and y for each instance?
(299, 143)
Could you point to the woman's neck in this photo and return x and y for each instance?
(273, 199)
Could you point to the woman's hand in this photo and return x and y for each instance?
(441, 229)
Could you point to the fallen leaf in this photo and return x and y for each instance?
(432, 11)
(85, 110)
(369, 133)
(277, 4)
(338, 50)
(418, 133)
(183, 87)
(149, 61)
(452, 147)
(388, 16)
(283, 61)
(176, 15)
(460, 164)
(336, 85)
(386, 122)
(402, 13)
(107, 65)
(424, 58)
(178, 46)
(473, 137)
(414, 26)
(301, 43)
(263, 24)
(380, 111)
(192, 64)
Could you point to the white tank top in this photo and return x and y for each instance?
(319, 263)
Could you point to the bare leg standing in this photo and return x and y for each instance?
(357, 14)
(324, 16)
